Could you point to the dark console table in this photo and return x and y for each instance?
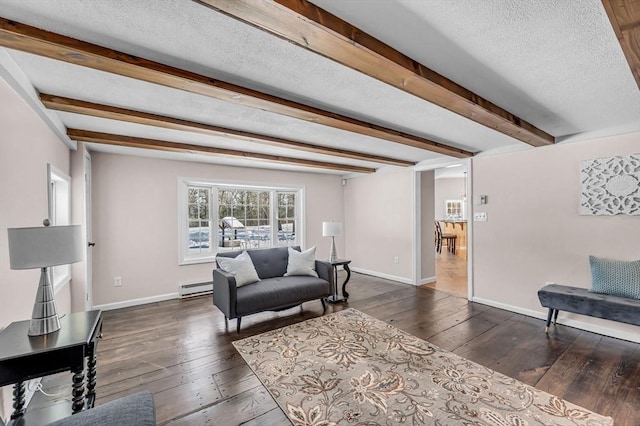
(24, 358)
(334, 298)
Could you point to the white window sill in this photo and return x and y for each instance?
(195, 261)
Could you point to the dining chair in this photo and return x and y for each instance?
(449, 238)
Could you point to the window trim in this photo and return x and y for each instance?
(214, 184)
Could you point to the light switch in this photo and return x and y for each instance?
(480, 217)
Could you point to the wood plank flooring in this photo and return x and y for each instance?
(451, 274)
(180, 351)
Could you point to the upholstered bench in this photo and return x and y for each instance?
(581, 301)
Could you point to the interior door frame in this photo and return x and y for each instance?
(88, 231)
(417, 217)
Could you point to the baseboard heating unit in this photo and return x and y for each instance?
(195, 289)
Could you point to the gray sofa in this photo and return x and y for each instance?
(274, 291)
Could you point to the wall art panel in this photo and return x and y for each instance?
(610, 186)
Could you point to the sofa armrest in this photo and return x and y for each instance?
(325, 271)
(137, 409)
(225, 292)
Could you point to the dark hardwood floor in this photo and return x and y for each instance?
(180, 351)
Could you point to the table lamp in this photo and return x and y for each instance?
(43, 247)
(332, 229)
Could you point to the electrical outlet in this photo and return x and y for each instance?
(480, 217)
(396, 259)
(117, 281)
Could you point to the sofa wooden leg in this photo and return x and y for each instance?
(238, 329)
(324, 305)
(555, 317)
(226, 323)
(549, 316)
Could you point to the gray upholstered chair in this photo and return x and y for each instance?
(132, 410)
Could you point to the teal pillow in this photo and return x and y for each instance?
(615, 277)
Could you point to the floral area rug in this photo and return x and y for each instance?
(348, 368)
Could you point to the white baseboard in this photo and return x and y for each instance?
(594, 328)
(427, 280)
(136, 302)
(381, 275)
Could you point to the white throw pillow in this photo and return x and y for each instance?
(241, 267)
(302, 263)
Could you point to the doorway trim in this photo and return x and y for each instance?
(417, 216)
(88, 220)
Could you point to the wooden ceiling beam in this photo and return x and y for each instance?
(161, 145)
(317, 30)
(76, 106)
(624, 16)
(18, 36)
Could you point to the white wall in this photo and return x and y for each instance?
(448, 189)
(26, 146)
(135, 221)
(379, 211)
(428, 247)
(534, 233)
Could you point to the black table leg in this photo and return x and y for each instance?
(91, 379)
(18, 400)
(344, 285)
(78, 390)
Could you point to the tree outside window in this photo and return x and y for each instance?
(286, 217)
(199, 205)
(244, 218)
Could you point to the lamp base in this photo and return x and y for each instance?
(333, 256)
(44, 319)
(41, 326)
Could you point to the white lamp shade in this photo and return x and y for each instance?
(45, 246)
(331, 229)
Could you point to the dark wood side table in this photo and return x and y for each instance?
(24, 358)
(335, 298)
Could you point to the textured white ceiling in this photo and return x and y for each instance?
(554, 64)
(64, 79)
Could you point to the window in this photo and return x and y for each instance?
(199, 221)
(218, 217)
(454, 209)
(244, 218)
(286, 217)
(59, 214)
